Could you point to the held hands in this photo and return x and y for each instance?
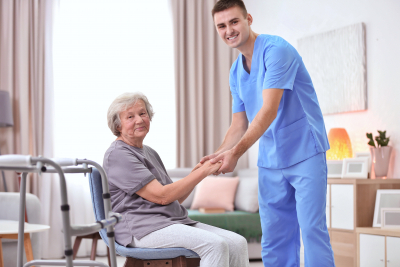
(209, 167)
(228, 158)
(204, 159)
(229, 161)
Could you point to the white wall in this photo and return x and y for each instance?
(296, 19)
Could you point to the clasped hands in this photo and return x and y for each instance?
(228, 158)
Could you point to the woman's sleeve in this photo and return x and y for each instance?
(127, 172)
(281, 66)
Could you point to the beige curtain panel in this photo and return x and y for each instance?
(203, 99)
(22, 74)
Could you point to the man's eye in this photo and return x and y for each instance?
(221, 27)
(234, 22)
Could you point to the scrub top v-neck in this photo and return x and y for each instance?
(298, 132)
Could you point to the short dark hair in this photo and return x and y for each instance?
(222, 5)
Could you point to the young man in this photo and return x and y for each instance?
(272, 90)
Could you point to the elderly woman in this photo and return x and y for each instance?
(143, 192)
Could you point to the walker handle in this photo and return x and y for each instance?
(15, 161)
(63, 162)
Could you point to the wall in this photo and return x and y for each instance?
(296, 19)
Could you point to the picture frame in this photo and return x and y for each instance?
(368, 155)
(355, 168)
(334, 168)
(385, 198)
(390, 218)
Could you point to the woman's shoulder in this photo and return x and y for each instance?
(119, 150)
(150, 150)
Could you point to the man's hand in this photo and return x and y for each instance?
(204, 159)
(229, 160)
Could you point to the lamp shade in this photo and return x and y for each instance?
(340, 144)
(6, 118)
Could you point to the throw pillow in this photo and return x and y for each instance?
(247, 194)
(215, 193)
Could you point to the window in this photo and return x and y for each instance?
(104, 48)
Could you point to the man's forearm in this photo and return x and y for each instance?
(260, 124)
(232, 137)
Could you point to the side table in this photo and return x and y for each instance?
(9, 229)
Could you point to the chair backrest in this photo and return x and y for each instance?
(96, 190)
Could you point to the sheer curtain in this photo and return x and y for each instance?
(103, 48)
(202, 63)
(26, 73)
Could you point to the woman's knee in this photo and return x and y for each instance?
(240, 243)
(218, 245)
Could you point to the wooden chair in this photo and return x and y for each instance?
(95, 237)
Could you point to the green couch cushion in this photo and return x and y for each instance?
(244, 223)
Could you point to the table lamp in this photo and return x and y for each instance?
(6, 120)
(340, 144)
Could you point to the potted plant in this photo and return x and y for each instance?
(380, 153)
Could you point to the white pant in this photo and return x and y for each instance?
(215, 246)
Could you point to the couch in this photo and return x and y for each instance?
(244, 220)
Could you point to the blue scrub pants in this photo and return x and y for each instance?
(288, 198)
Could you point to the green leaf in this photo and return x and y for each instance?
(371, 140)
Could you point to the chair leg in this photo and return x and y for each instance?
(192, 262)
(132, 262)
(77, 243)
(94, 247)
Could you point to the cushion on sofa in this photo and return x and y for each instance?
(215, 193)
(247, 194)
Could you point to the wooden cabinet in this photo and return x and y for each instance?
(372, 250)
(342, 208)
(392, 251)
(351, 204)
(378, 247)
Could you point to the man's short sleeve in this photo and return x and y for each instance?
(127, 172)
(237, 103)
(281, 66)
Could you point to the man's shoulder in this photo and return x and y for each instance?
(269, 41)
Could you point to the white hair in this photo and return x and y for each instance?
(122, 103)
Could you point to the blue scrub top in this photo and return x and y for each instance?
(298, 132)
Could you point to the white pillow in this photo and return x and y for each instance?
(188, 201)
(247, 194)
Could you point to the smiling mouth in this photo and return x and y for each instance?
(233, 37)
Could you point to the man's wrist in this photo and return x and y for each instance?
(237, 151)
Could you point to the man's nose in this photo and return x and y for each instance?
(229, 30)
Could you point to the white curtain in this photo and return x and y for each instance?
(103, 48)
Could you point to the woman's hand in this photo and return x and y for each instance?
(210, 168)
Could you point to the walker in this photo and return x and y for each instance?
(29, 164)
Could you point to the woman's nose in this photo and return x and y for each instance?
(139, 119)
